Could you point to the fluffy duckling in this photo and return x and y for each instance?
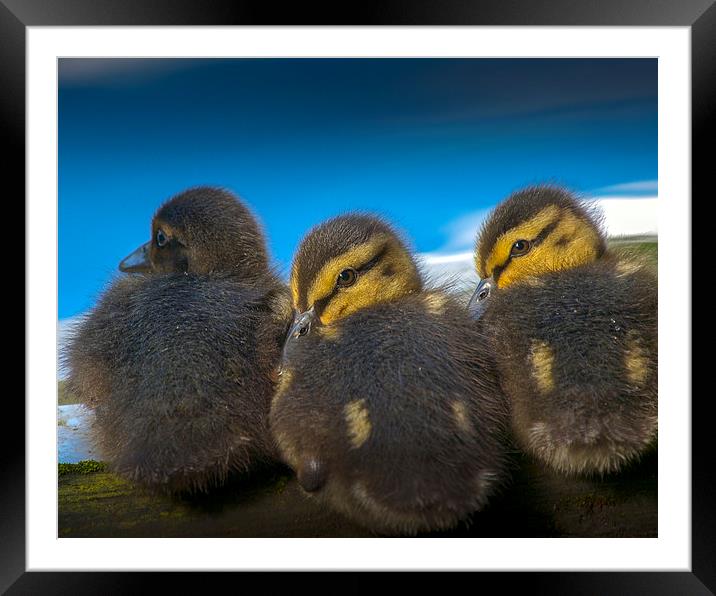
(178, 359)
(573, 327)
(388, 407)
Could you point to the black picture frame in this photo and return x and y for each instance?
(17, 15)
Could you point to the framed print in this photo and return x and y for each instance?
(429, 125)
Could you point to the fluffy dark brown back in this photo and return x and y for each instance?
(180, 371)
(577, 354)
(401, 406)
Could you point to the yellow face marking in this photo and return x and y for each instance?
(358, 421)
(461, 416)
(542, 359)
(294, 287)
(435, 303)
(581, 245)
(372, 286)
(635, 360)
(325, 280)
(168, 230)
(529, 229)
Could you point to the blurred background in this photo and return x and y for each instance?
(432, 144)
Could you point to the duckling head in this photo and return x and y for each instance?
(346, 264)
(535, 231)
(201, 230)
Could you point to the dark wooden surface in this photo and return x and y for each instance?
(268, 503)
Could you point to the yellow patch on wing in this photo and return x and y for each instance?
(461, 416)
(542, 360)
(435, 303)
(358, 421)
(636, 361)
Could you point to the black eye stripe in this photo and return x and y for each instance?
(497, 271)
(374, 261)
(544, 232)
(320, 304)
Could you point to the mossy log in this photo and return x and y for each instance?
(269, 502)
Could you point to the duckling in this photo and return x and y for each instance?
(178, 357)
(573, 326)
(388, 407)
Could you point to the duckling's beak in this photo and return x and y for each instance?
(302, 323)
(478, 303)
(137, 262)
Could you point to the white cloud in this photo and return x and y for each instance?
(456, 271)
(461, 232)
(649, 187)
(629, 216)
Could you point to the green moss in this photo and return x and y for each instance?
(87, 466)
(104, 504)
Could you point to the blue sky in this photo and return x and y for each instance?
(429, 143)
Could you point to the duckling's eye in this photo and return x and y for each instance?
(161, 238)
(347, 277)
(521, 247)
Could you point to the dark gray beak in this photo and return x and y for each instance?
(478, 303)
(137, 262)
(302, 324)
